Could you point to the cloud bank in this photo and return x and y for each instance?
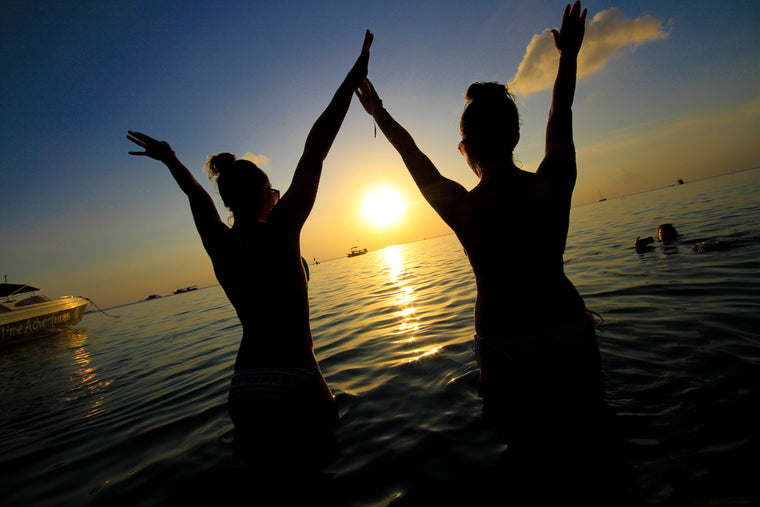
(259, 160)
(606, 35)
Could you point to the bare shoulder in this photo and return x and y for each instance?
(559, 167)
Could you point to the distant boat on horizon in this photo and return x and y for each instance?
(355, 250)
(186, 289)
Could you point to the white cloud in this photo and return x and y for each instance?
(259, 160)
(606, 35)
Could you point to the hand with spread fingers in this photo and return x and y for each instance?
(570, 35)
(157, 150)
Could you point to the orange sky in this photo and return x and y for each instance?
(664, 93)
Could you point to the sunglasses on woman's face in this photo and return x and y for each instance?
(276, 194)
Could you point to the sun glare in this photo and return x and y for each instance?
(383, 207)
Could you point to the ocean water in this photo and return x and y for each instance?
(132, 410)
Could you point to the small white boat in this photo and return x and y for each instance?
(25, 313)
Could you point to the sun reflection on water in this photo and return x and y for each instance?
(404, 298)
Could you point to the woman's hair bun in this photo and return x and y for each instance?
(487, 92)
(219, 164)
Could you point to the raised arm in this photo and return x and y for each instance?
(204, 211)
(442, 193)
(559, 129)
(298, 200)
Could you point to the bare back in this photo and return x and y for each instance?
(259, 267)
(513, 226)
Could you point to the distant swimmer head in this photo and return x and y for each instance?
(490, 125)
(666, 232)
(244, 188)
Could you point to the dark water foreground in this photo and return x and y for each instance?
(131, 411)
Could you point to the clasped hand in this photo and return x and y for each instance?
(358, 72)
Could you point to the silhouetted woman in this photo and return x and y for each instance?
(534, 338)
(278, 398)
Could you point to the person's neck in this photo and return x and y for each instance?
(502, 167)
(249, 218)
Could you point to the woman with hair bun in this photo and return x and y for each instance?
(534, 341)
(278, 398)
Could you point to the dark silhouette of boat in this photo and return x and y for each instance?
(355, 250)
(186, 289)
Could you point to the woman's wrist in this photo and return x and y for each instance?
(568, 56)
(169, 158)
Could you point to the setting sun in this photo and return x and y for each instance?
(383, 207)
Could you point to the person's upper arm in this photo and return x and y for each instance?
(206, 218)
(559, 131)
(559, 157)
(559, 171)
(443, 194)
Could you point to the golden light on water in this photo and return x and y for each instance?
(395, 265)
(88, 384)
(403, 296)
(404, 300)
(383, 207)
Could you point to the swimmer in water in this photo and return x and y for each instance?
(278, 396)
(532, 327)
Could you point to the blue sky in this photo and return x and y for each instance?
(79, 216)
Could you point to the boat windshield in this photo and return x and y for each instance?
(32, 300)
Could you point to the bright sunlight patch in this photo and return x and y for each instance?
(383, 207)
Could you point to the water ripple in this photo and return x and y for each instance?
(133, 410)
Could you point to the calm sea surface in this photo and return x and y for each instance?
(132, 411)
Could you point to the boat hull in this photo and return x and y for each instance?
(41, 319)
